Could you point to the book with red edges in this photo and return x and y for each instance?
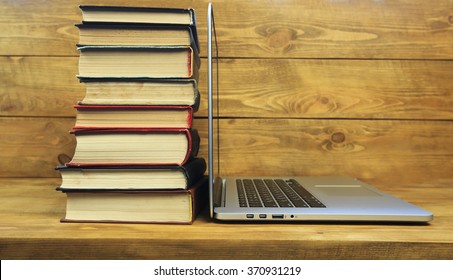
(139, 206)
(138, 62)
(134, 146)
(106, 116)
(112, 178)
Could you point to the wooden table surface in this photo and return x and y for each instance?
(30, 210)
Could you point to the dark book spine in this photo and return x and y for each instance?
(194, 170)
(194, 141)
(200, 197)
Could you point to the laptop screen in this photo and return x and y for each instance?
(213, 109)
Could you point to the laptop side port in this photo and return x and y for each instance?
(277, 216)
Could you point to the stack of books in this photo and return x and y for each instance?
(136, 153)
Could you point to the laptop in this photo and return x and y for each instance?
(290, 198)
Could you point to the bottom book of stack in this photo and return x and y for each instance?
(140, 206)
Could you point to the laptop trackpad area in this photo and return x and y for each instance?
(346, 190)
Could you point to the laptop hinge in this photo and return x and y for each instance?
(218, 191)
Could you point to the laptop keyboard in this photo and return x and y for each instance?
(274, 193)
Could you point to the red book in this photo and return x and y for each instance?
(106, 117)
(134, 147)
(138, 62)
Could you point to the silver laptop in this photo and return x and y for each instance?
(290, 198)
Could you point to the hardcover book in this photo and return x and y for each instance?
(138, 62)
(136, 34)
(132, 177)
(105, 91)
(164, 206)
(134, 147)
(93, 116)
(94, 13)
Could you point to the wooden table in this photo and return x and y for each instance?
(30, 210)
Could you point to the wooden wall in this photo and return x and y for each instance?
(360, 88)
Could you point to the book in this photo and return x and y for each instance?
(105, 91)
(138, 62)
(132, 177)
(136, 34)
(164, 206)
(94, 13)
(134, 147)
(97, 116)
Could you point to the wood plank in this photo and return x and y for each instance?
(336, 29)
(40, 27)
(412, 153)
(30, 210)
(297, 29)
(39, 86)
(336, 89)
(281, 88)
(33, 147)
(406, 153)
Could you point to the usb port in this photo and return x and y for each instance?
(277, 216)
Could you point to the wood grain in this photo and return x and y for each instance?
(406, 153)
(371, 89)
(297, 29)
(30, 210)
(281, 88)
(39, 86)
(33, 147)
